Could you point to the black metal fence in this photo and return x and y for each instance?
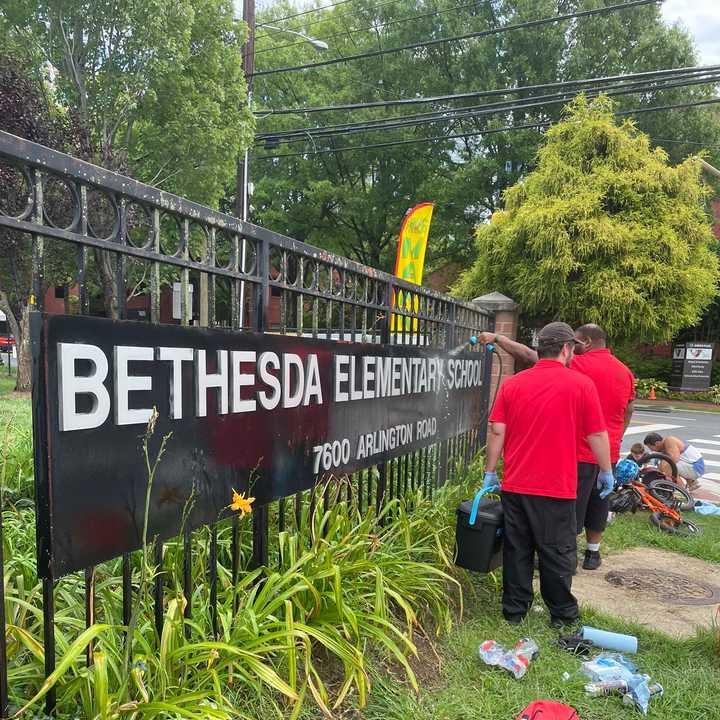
(126, 249)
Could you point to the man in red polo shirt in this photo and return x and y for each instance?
(538, 419)
(616, 389)
(615, 384)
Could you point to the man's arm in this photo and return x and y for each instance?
(629, 410)
(517, 350)
(600, 446)
(496, 441)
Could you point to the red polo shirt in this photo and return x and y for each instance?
(615, 385)
(546, 410)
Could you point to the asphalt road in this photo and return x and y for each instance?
(702, 429)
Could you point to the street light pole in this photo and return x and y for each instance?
(243, 170)
(242, 179)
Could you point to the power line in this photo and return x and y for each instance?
(347, 31)
(466, 36)
(475, 110)
(306, 12)
(335, 16)
(457, 136)
(486, 93)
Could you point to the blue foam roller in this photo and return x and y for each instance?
(610, 640)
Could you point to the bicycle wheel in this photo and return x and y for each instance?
(667, 524)
(624, 500)
(671, 494)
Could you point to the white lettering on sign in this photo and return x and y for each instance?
(241, 380)
(205, 381)
(126, 383)
(176, 357)
(238, 381)
(71, 385)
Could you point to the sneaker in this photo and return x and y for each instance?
(592, 560)
(560, 623)
(514, 619)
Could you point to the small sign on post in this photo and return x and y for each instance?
(692, 365)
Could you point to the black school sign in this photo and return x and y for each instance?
(265, 414)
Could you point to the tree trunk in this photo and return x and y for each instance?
(23, 382)
(21, 333)
(111, 293)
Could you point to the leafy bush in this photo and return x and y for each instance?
(343, 584)
(643, 385)
(642, 389)
(644, 365)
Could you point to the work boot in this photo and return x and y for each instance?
(592, 560)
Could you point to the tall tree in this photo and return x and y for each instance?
(354, 201)
(155, 87)
(24, 111)
(604, 230)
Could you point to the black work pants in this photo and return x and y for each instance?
(546, 526)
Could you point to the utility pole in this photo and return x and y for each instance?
(242, 180)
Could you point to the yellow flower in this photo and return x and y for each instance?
(240, 503)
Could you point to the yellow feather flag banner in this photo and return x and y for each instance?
(410, 260)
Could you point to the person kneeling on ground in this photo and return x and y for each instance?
(688, 459)
(538, 419)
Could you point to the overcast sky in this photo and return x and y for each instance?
(702, 18)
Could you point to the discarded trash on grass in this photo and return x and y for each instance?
(515, 661)
(613, 672)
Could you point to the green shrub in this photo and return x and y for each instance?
(643, 385)
(342, 585)
(644, 365)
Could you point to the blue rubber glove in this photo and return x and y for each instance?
(490, 482)
(605, 483)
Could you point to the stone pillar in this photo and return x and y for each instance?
(507, 314)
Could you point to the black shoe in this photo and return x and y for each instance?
(513, 619)
(560, 623)
(592, 560)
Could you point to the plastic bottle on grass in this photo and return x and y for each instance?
(491, 652)
(522, 654)
(515, 661)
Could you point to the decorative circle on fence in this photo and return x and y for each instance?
(666, 587)
(138, 225)
(61, 203)
(16, 197)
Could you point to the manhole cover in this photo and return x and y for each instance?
(667, 587)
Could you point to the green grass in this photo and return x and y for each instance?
(629, 531)
(466, 689)
(463, 688)
(460, 686)
(16, 454)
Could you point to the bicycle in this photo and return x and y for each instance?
(652, 490)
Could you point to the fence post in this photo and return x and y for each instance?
(260, 516)
(506, 313)
(450, 338)
(385, 340)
